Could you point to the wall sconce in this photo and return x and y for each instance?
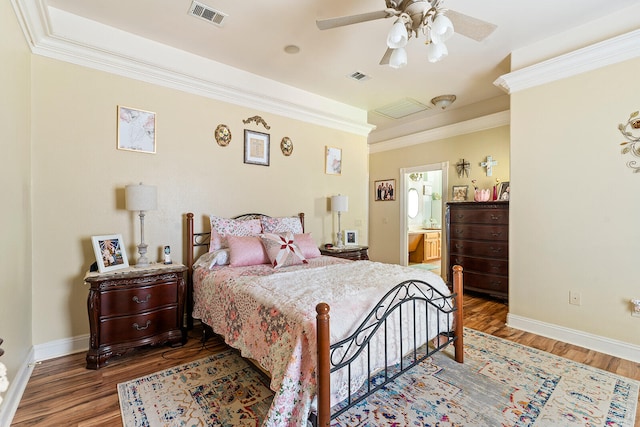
(339, 204)
(141, 198)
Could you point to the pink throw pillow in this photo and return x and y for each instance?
(246, 250)
(281, 249)
(307, 245)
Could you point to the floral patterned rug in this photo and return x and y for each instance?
(501, 383)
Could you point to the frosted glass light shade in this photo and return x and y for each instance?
(339, 203)
(442, 29)
(398, 58)
(398, 35)
(436, 51)
(141, 197)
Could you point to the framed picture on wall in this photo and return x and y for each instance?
(256, 148)
(110, 252)
(384, 190)
(136, 130)
(351, 237)
(459, 193)
(333, 161)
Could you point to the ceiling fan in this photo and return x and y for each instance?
(414, 17)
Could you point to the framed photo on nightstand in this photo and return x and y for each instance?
(110, 252)
(351, 237)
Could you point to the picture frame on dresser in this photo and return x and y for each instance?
(110, 252)
(351, 237)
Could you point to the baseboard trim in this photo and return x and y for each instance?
(605, 345)
(62, 347)
(16, 389)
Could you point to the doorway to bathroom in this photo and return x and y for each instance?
(422, 215)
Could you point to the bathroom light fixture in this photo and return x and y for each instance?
(141, 198)
(443, 101)
(339, 204)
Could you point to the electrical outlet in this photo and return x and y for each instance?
(574, 297)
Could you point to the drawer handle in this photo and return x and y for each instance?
(459, 231)
(139, 301)
(496, 217)
(496, 233)
(142, 328)
(496, 250)
(459, 246)
(460, 216)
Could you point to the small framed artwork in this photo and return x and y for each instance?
(110, 252)
(459, 193)
(333, 161)
(384, 190)
(136, 130)
(504, 191)
(256, 148)
(351, 237)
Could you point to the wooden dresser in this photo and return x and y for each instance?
(134, 307)
(478, 240)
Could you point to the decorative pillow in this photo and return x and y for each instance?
(307, 245)
(246, 250)
(285, 224)
(222, 227)
(281, 249)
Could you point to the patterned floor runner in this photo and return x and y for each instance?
(500, 384)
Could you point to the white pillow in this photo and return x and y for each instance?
(211, 259)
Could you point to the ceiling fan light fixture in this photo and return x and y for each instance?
(398, 35)
(398, 58)
(443, 101)
(436, 51)
(441, 29)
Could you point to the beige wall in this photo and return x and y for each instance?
(575, 203)
(15, 221)
(79, 177)
(384, 217)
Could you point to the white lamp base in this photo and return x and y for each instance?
(143, 261)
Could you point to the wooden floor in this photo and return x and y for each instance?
(62, 392)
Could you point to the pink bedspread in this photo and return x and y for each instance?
(269, 315)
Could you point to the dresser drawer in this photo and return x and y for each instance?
(481, 265)
(130, 328)
(481, 249)
(479, 216)
(486, 282)
(480, 232)
(119, 302)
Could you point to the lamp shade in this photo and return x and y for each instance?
(436, 52)
(398, 58)
(398, 35)
(141, 197)
(442, 29)
(339, 203)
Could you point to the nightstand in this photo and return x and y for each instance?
(348, 252)
(134, 307)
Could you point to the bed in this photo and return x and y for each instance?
(386, 318)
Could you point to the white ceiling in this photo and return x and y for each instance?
(255, 33)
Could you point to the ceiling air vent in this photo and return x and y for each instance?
(358, 76)
(205, 12)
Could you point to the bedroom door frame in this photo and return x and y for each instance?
(402, 198)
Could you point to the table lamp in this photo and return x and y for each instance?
(339, 204)
(141, 198)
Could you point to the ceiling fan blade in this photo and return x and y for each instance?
(468, 26)
(386, 57)
(325, 24)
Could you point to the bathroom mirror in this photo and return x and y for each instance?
(412, 203)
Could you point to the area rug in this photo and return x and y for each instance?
(500, 384)
(427, 267)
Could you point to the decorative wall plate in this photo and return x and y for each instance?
(286, 145)
(223, 135)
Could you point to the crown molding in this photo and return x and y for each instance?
(474, 125)
(608, 52)
(59, 35)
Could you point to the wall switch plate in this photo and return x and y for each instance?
(574, 298)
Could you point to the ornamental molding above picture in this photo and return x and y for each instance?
(631, 132)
